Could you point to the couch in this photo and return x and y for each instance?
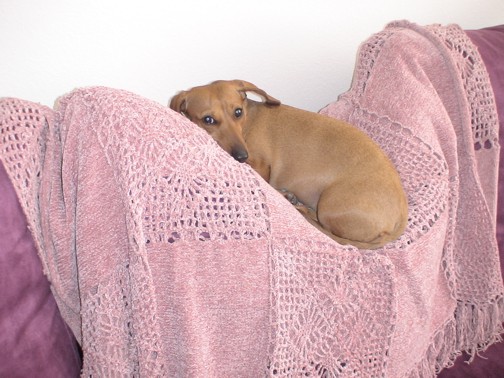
(132, 245)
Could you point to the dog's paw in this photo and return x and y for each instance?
(308, 212)
(291, 197)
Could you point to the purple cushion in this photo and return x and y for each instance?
(34, 339)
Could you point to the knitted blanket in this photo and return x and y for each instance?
(169, 258)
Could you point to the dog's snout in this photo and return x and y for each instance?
(240, 155)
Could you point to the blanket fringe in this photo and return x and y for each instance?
(439, 354)
(479, 326)
(472, 330)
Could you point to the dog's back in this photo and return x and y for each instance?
(310, 154)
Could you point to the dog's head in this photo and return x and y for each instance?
(220, 109)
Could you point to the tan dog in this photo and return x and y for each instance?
(345, 184)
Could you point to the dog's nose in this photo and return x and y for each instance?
(240, 155)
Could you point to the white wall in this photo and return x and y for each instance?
(301, 52)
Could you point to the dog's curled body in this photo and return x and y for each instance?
(349, 188)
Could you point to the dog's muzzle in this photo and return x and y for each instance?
(240, 155)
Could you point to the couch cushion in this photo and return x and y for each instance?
(34, 339)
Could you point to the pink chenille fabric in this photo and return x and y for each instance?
(169, 258)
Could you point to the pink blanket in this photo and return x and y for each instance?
(168, 258)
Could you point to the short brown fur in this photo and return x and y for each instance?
(335, 174)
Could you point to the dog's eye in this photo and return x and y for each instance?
(209, 120)
(238, 112)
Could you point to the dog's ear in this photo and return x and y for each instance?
(179, 102)
(245, 86)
